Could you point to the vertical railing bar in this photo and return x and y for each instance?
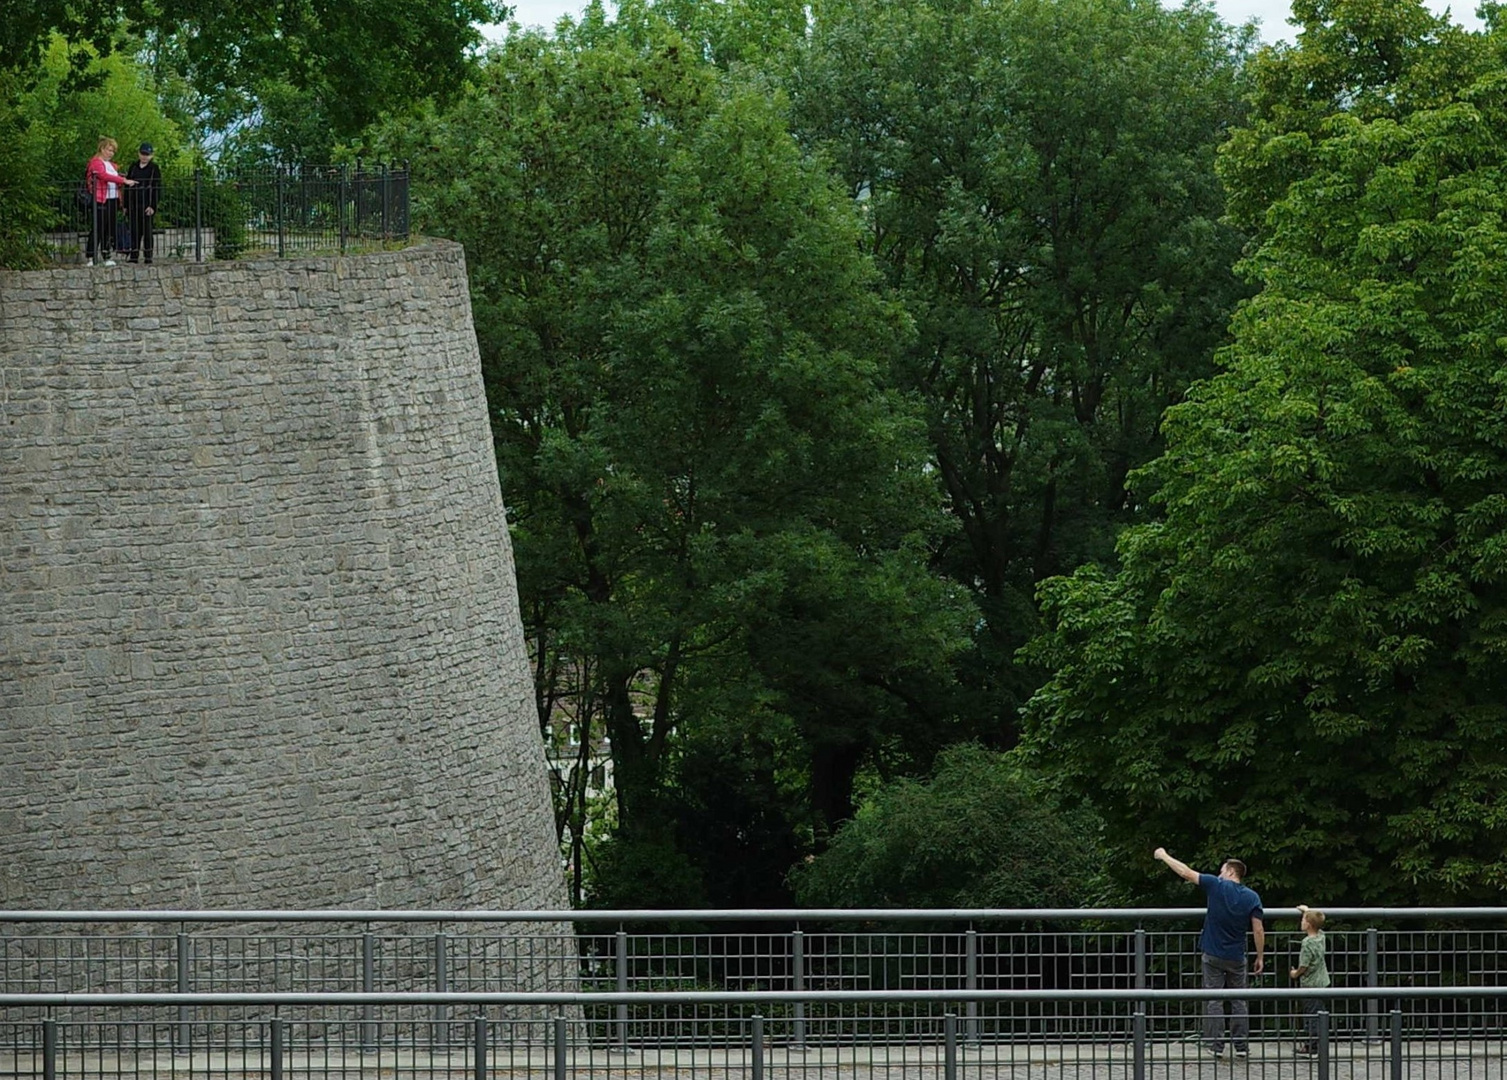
(1138, 1033)
(1323, 1044)
(368, 983)
(559, 1046)
(479, 1048)
(441, 1033)
(798, 983)
(950, 1045)
(1396, 1048)
(621, 942)
(971, 982)
(757, 1040)
(198, 214)
(49, 1049)
(277, 1048)
(1373, 976)
(185, 959)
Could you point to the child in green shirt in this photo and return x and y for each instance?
(1311, 971)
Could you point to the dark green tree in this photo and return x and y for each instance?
(979, 831)
(1037, 179)
(721, 517)
(1302, 662)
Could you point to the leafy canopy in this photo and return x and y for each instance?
(1304, 661)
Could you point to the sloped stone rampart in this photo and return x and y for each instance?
(259, 632)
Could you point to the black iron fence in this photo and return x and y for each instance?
(282, 211)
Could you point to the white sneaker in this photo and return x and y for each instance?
(88, 262)
(108, 262)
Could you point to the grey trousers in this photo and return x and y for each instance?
(1222, 974)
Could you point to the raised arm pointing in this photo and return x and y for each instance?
(1181, 869)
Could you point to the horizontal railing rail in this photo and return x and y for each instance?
(755, 997)
(718, 915)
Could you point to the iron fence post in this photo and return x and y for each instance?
(950, 1046)
(198, 214)
(1373, 979)
(386, 199)
(1323, 1044)
(441, 1035)
(622, 988)
(277, 1048)
(278, 209)
(1138, 1034)
(1396, 1055)
(185, 981)
(971, 982)
(1140, 958)
(368, 983)
(559, 1046)
(50, 1048)
(798, 983)
(407, 209)
(345, 181)
(758, 1046)
(479, 1048)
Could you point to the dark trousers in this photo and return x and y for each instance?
(1222, 974)
(141, 232)
(1311, 1009)
(102, 231)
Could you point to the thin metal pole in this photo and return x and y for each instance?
(185, 963)
(479, 1048)
(798, 983)
(277, 1048)
(198, 214)
(971, 982)
(441, 1035)
(368, 983)
(50, 1042)
(1138, 1029)
(386, 199)
(1396, 1056)
(758, 1047)
(559, 1046)
(1373, 978)
(622, 988)
(1140, 958)
(950, 1046)
(278, 195)
(1323, 1044)
(407, 187)
(345, 179)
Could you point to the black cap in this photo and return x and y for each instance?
(146, 148)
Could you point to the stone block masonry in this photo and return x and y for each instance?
(259, 633)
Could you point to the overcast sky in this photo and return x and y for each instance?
(1272, 13)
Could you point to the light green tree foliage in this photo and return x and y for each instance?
(1038, 183)
(980, 831)
(1303, 662)
(721, 520)
(55, 116)
(115, 97)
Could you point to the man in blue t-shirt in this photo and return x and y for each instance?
(1231, 907)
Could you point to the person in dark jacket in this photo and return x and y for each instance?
(141, 201)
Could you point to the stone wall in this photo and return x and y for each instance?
(259, 632)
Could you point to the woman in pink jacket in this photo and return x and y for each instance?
(104, 182)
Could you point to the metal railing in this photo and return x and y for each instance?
(796, 952)
(1136, 1034)
(283, 211)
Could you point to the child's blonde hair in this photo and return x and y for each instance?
(1314, 917)
(107, 143)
